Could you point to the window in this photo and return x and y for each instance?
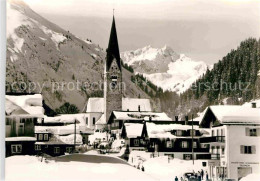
(184, 144)
(35, 135)
(46, 137)
(56, 150)
(136, 142)
(69, 149)
(187, 156)
(86, 120)
(179, 133)
(21, 130)
(169, 144)
(252, 132)
(247, 149)
(94, 120)
(223, 150)
(40, 136)
(212, 133)
(16, 148)
(194, 132)
(37, 147)
(194, 144)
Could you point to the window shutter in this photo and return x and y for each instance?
(247, 131)
(241, 149)
(258, 132)
(253, 150)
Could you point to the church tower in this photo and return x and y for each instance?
(112, 75)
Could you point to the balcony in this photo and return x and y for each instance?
(178, 149)
(208, 156)
(212, 139)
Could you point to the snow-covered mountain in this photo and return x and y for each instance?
(164, 67)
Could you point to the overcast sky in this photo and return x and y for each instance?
(203, 29)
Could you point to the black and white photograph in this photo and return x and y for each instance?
(131, 90)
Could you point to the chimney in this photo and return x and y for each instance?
(139, 108)
(253, 104)
(186, 120)
(176, 118)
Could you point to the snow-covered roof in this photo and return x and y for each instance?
(164, 130)
(133, 130)
(132, 104)
(120, 115)
(12, 109)
(235, 114)
(21, 138)
(95, 105)
(30, 103)
(243, 115)
(67, 118)
(101, 120)
(59, 140)
(61, 130)
(128, 104)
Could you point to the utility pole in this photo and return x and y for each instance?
(75, 136)
(192, 139)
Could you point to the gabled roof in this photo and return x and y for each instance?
(164, 130)
(32, 104)
(95, 104)
(128, 104)
(113, 48)
(102, 120)
(67, 118)
(222, 110)
(13, 109)
(132, 104)
(228, 114)
(146, 116)
(61, 140)
(133, 130)
(244, 115)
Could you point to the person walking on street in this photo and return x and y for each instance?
(202, 174)
(199, 176)
(176, 178)
(207, 176)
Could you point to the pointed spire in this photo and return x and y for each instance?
(113, 48)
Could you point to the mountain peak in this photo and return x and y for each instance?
(164, 67)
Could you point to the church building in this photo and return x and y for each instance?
(99, 110)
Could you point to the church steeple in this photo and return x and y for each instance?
(113, 48)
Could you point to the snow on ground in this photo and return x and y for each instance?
(55, 37)
(118, 143)
(15, 18)
(72, 167)
(251, 177)
(94, 55)
(97, 136)
(88, 42)
(169, 169)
